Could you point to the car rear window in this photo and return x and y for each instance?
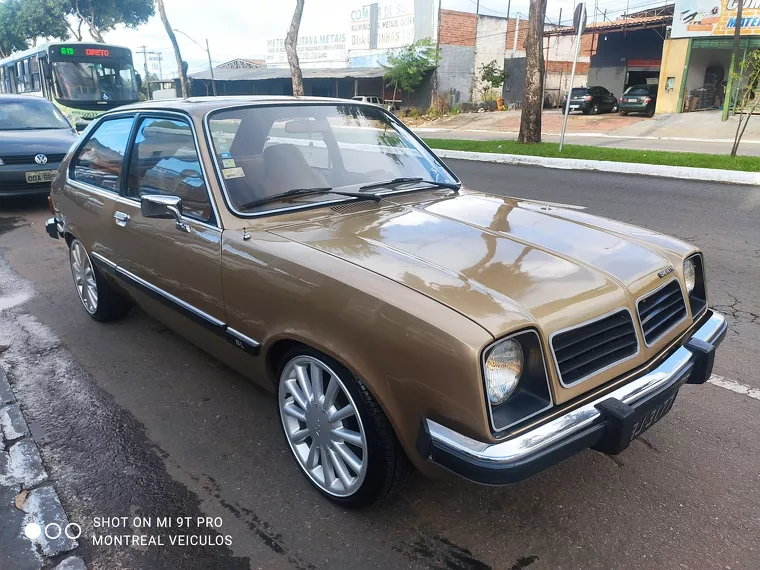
(579, 91)
(638, 90)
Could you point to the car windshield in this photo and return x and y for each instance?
(89, 81)
(266, 151)
(32, 114)
(637, 90)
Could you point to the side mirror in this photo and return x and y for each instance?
(164, 208)
(81, 127)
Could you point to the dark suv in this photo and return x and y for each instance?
(591, 100)
(639, 99)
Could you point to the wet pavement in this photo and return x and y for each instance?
(133, 421)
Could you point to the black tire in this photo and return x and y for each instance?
(110, 304)
(650, 112)
(388, 467)
(595, 109)
(623, 113)
(585, 111)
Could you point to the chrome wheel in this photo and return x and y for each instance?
(84, 276)
(323, 426)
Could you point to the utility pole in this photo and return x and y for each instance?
(144, 51)
(211, 68)
(734, 58)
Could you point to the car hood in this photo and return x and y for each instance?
(502, 262)
(31, 142)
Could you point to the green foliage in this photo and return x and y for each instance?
(491, 75)
(12, 35)
(407, 68)
(693, 159)
(102, 16)
(749, 98)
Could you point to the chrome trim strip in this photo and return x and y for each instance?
(550, 433)
(583, 324)
(170, 297)
(490, 347)
(102, 259)
(646, 296)
(240, 336)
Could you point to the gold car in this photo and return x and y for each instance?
(320, 248)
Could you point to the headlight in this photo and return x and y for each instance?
(1, 162)
(689, 275)
(503, 368)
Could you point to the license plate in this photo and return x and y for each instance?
(653, 415)
(574, 106)
(630, 100)
(39, 176)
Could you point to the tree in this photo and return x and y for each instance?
(291, 49)
(101, 16)
(491, 77)
(533, 96)
(407, 68)
(181, 66)
(749, 72)
(12, 35)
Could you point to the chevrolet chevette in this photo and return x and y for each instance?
(403, 321)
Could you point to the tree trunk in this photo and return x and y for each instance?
(184, 83)
(291, 45)
(533, 103)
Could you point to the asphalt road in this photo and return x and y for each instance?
(133, 420)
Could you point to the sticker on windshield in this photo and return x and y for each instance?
(229, 173)
(226, 154)
(228, 163)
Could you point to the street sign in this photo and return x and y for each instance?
(579, 24)
(579, 18)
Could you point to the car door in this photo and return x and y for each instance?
(178, 263)
(93, 183)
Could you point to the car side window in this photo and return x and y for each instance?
(100, 160)
(165, 161)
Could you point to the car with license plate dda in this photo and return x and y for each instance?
(639, 99)
(34, 138)
(401, 320)
(590, 101)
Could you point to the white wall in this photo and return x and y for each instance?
(492, 37)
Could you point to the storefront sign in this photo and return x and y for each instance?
(311, 48)
(382, 25)
(695, 18)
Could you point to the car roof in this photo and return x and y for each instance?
(11, 98)
(199, 106)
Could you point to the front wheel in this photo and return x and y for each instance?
(101, 301)
(337, 432)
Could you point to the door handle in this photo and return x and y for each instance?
(121, 219)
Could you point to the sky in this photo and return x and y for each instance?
(240, 28)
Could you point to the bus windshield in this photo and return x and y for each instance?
(95, 81)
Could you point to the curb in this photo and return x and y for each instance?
(682, 172)
(27, 496)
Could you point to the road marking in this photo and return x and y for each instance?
(734, 387)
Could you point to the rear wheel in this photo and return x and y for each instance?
(101, 301)
(595, 109)
(337, 432)
(650, 112)
(624, 113)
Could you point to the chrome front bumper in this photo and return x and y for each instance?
(598, 424)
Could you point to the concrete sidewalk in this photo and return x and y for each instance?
(688, 132)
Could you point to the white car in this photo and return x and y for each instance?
(373, 100)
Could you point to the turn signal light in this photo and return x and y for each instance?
(588, 97)
(647, 99)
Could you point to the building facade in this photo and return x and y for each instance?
(696, 56)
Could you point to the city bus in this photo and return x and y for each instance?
(83, 80)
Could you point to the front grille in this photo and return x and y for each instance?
(29, 159)
(661, 311)
(592, 347)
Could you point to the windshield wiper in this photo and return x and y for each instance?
(306, 191)
(410, 180)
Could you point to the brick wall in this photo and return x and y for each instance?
(522, 33)
(567, 67)
(458, 28)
